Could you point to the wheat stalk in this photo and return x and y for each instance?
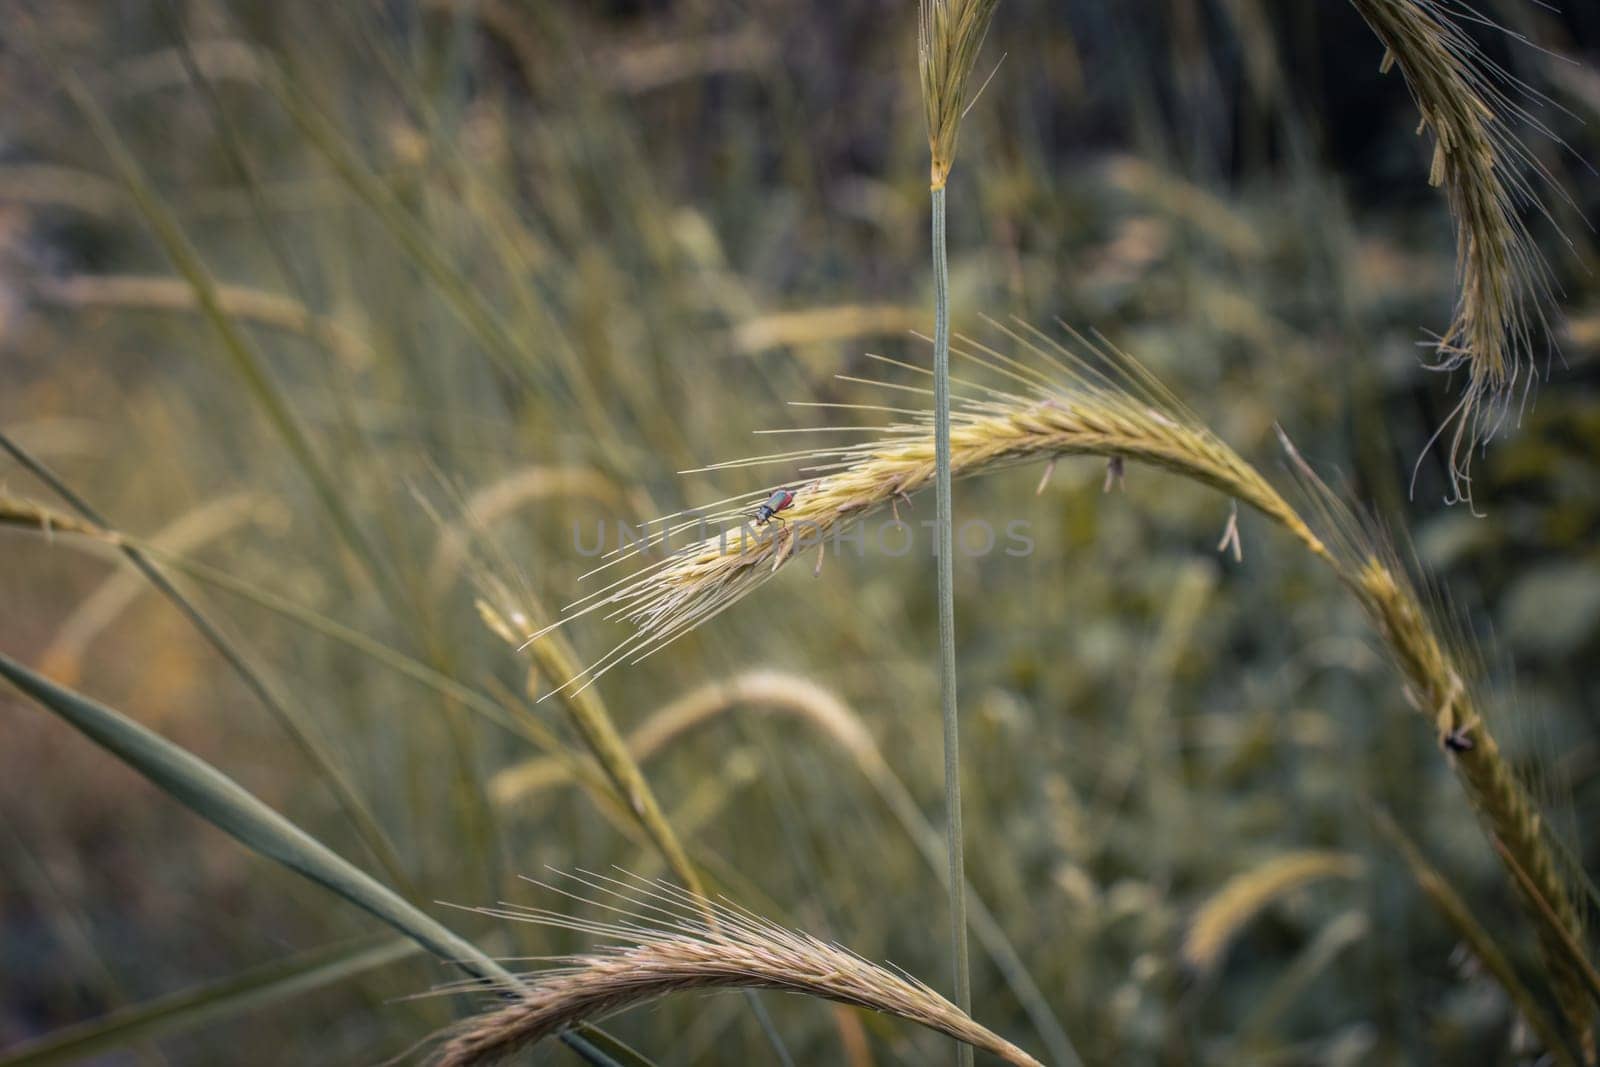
(666, 945)
(949, 36)
(1488, 175)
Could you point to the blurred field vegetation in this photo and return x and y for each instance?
(511, 265)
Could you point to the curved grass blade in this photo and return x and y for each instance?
(227, 805)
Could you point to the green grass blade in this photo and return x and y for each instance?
(227, 805)
(255, 988)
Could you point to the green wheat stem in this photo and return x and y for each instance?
(945, 553)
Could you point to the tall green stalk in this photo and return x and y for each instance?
(949, 35)
(944, 550)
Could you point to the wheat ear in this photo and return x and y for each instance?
(1459, 915)
(666, 945)
(1242, 898)
(1488, 175)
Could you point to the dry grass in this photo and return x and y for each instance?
(1467, 102)
(666, 945)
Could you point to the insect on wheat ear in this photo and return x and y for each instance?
(780, 500)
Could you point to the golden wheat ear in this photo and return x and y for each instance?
(1088, 399)
(1469, 104)
(666, 940)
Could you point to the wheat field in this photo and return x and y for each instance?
(675, 532)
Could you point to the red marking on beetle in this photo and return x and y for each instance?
(780, 500)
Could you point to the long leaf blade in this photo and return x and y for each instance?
(230, 807)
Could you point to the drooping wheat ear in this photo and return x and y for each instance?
(1441, 685)
(664, 945)
(1099, 402)
(1115, 409)
(950, 32)
(1230, 909)
(1488, 175)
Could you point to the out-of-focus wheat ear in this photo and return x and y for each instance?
(1489, 177)
(1230, 909)
(663, 944)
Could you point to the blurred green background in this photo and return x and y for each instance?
(529, 260)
